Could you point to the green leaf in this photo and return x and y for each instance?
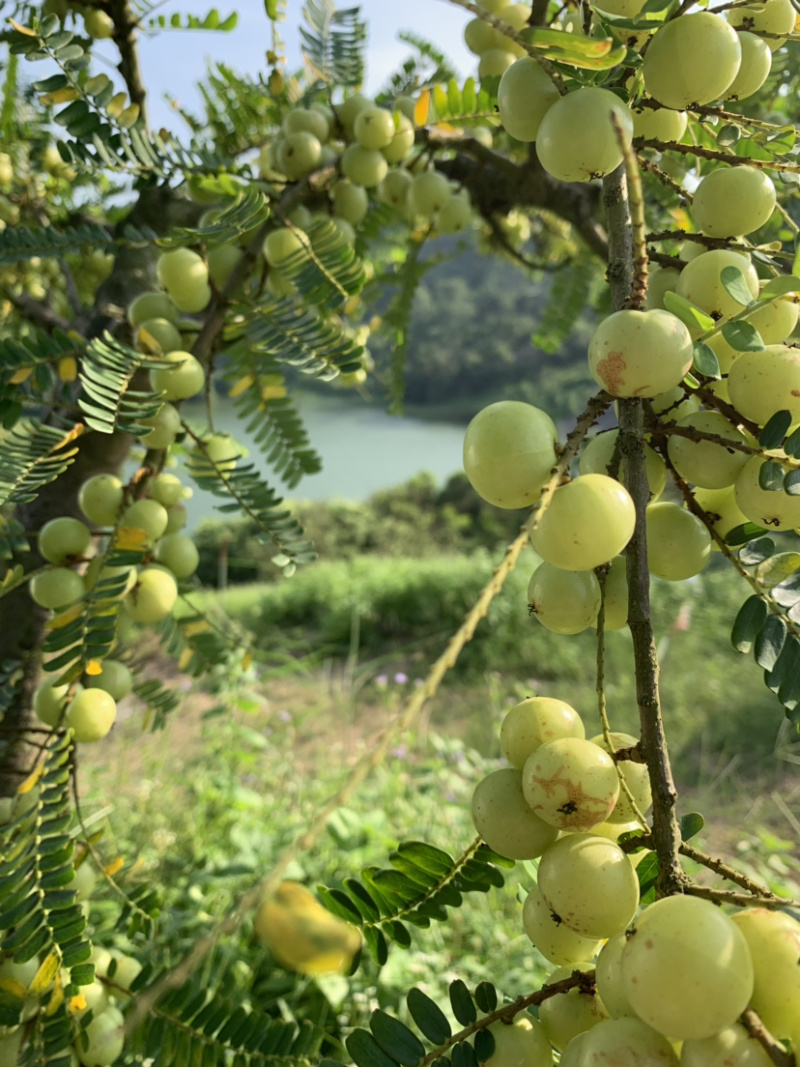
(792, 444)
(690, 315)
(728, 136)
(735, 285)
(376, 943)
(740, 535)
(769, 642)
(771, 476)
(394, 1037)
(742, 336)
(647, 873)
(691, 825)
(786, 666)
(779, 286)
(791, 484)
(362, 900)
(749, 623)
(428, 1016)
(484, 1041)
(757, 551)
(462, 1003)
(575, 50)
(777, 569)
(339, 904)
(705, 361)
(366, 1051)
(775, 429)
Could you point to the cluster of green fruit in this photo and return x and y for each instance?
(672, 978)
(96, 22)
(101, 1039)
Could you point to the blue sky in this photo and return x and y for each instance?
(173, 61)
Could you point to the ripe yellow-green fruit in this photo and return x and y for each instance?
(700, 281)
(775, 17)
(732, 1047)
(599, 453)
(115, 678)
(640, 353)
(374, 127)
(307, 120)
(63, 539)
(636, 778)
(733, 201)
(302, 935)
(576, 140)
(556, 942)
(166, 425)
(675, 404)
(90, 715)
(153, 597)
(495, 62)
(166, 488)
(455, 216)
(183, 380)
(756, 65)
(126, 970)
(566, 602)
(106, 1034)
(428, 193)
(348, 111)
(659, 123)
(773, 939)
(721, 507)
(706, 463)
(56, 587)
(525, 94)
(504, 820)
(775, 510)
(626, 1042)
(691, 60)
(402, 142)
(151, 306)
(222, 261)
(219, 449)
(686, 968)
(678, 544)
(565, 1016)
(157, 336)
(98, 24)
(350, 201)
(761, 383)
(299, 154)
(283, 244)
(364, 166)
(509, 451)
(571, 783)
(521, 1044)
(146, 515)
(178, 553)
(100, 499)
(661, 281)
(608, 975)
(49, 701)
(590, 520)
(534, 722)
(480, 37)
(176, 518)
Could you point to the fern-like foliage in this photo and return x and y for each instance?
(568, 297)
(212, 21)
(107, 401)
(285, 332)
(421, 884)
(39, 911)
(33, 455)
(200, 642)
(237, 111)
(29, 351)
(453, 103)
(427, 65)
(333, 42)
(159, 701)
(247, 213)
(20, 243)
(49, 1038)
(326, 271)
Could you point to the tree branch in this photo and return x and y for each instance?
(34, 311)
(125, 40)
(774, 1049)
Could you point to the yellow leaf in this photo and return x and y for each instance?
(31, 781)
(129, 116)
(57, 999)
(94, 666)
(440, 101)
(199, 627)
(15, 988)
(185, 659)
(68, 369)
(303, 935)
(273, 392)
(60, 96)
(22, 29)
(241, 386)
(446, 127)
(77, 1003)
(116, 104)
(352, 304)
(46, 974)
(247, 659)
(115, 867)
(21, 375)
(421, 108)
(64, 618)
(130, 538)
(73, 435)
(74, 336)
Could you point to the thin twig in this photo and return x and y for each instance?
(635, 196)
(730, 874)
(711, 153)
(774, 1049)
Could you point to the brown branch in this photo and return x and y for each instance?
(665, 179)
(738, 900)
(34, 311)
(711, 153)
(773, 1048)
(683, 235)
(731, 874)
(733, 116)
(125, 40)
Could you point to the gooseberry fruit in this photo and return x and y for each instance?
(504, 820)
(571, 783)
(534, 722)
(640, 353)
(184, 379)
(691, 60)
(90, 715)
(509, 451)
(590, 520)
(576, 140)
(63, 539)
(566, 602)
(732, 201)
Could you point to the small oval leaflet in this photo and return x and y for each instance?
(395, 1038)
(428, 1016)
(768, 644)
(748, 623)
(462, 1003)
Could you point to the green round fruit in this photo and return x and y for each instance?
(776, 320)
(222, 262)
(98, 24)
(598, 454)
(721, 508)
(146, 515)
(63, 539)
(455, 217)
(705, 463)
(193, 299)
(773, 939)
(576, 140)
(402, 143)
(626, 1043)
(775, 510)
(691, 60)
(775, 17)
(348, 111)
(181, 270)
(166, 425)
(480, 37)
(755, 68)
(349, 201)
(307, 120)
(176, 518)
(151, 306)
(732, 201)
(219, 449)
(640, 353)
(126, 971)
(566, 602)
(556, 942)
(90, 715)
(659, 124)
(364, 166)
(509, 451)
(115, 679)
(661, 281)
(525, 95)
(762, 383)
(49, 702)
(299, 154)
(179, 554)
(733, 1047)
(534, 722)
(608, 975)
(495, 62)
(616, 595)
(700, 282)
(571, 783)
(100, 499)
(155, 336)
(183, 380)
(166, 489)
(521, 1044)
(636, 778)
(56, 587)
(106, 1035)
(686, 968)
(678, 544)
(153, 597)
(374, 127)
(504, 820)
(675, 404)
(283, 244)
(84, 882)
(566, 1015)
(428, 193)
(590, 520)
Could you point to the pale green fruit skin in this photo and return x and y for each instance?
(100, 957)
(777, 511)
(640, 353)
(176, 518)
(566, 1015)
(675, 404)
(616, 595)
(636, 778)
(755, 68)
(346, 231)
(84, 881)
(350, 201)
(626, 1042)
(694, 939)
(56, 588)
(24, 973)
(480, 37)
(115, 679)
(151, 306)
(304, 120)
(555, 941)
(590, 520)
(364, 166)
(100, 499)
(96, 997)
(571, 783)
(147, 515)
(509, 451)
(733, 201)
(525, 95)
(505, 821)
(704, 463)
(496, 61)
(49, 702)
(721, 506)
(576, 141)
(691, 60)
(98, 24)
(157, 335)
(455, 217)
(590, 884)
(402, 142)
(222, 261)
(127, 970)
(10, 1046)
(282, 244)
(393, 190)
(299, 154)
(178, 553)
(662, 280)
(598, 454)
(773, 939)
(181, 270)
(534, 722)
(166, 489)
(278, 285)
(729, 1048)
(181, 382)
(566, 602)
(220, 449)
(153, 597)
(523, 1044)
(90, 715)
(106, 1033)
(776, 320)
(428, 193)
(63, 538)
(166, 425)
(678, 544)
(761, 383)
(659, 124)
(608, 975)
(348, 111)
(775, 16)
(193, 299)
(700, 282)
(571, 1056)
(374, 127)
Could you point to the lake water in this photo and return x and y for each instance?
(363, 449)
